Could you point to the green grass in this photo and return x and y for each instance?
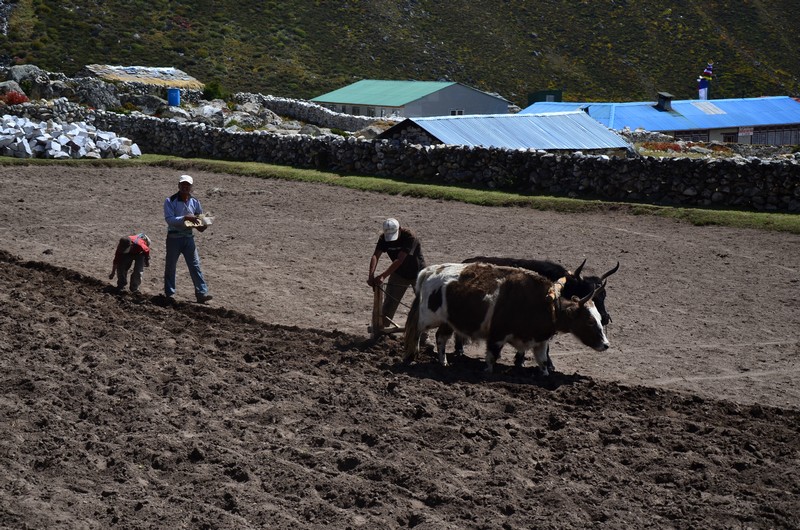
(781, 222)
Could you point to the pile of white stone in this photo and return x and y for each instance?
(23, 138)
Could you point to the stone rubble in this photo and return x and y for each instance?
(23, 138)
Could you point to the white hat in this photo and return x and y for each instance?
(186, 178)
(391, 229)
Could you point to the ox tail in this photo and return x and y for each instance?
(412, 332)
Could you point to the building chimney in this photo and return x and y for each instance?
(664, 102)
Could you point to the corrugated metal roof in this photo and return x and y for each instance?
(686, 114)
(562, 130)
(382, 93)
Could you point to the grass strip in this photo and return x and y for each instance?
(781, 222)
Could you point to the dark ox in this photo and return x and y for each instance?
(499, 305)
(576, 285)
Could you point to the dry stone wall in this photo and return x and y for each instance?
(750, 183)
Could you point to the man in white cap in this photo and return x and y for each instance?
(181, 212)
(404, 249)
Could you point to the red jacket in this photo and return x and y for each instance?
(134, 245)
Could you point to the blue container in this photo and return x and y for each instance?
(174, 97)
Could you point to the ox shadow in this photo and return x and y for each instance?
(466, 369)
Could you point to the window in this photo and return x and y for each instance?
(692, 136)
(371, 112)
(789, 135)
(356, 111)
(730, 138)
(457, 112)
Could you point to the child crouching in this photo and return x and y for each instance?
(132, 250)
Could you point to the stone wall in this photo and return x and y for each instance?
(309, 112)
(750, 183)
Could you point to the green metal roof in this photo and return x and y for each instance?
(382, 93)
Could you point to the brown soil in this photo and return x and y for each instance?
(270, 408)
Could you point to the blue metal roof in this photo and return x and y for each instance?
(561, 130)
(686, 114)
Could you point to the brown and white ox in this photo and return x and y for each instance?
(499, 305)
(576, 285)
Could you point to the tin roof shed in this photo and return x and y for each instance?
(549, 131)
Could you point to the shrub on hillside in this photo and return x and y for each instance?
(214, 90)
(14, 98)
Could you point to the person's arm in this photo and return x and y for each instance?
(401, 257)
(170, 215)
(117, 256)
(373, 264)
(198, 210)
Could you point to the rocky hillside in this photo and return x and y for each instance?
(617, 50)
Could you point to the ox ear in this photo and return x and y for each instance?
(591, 295)
(555, 289)
(609, 273)
(577, 272)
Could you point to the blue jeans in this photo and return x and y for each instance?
(175, 247)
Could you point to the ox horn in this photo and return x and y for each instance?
(592, 294)
(577, 272)
(609, 273)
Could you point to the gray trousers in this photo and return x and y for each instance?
(125, 262)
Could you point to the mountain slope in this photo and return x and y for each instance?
(608, 50)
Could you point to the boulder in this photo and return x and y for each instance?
(208, 114)
(147, 104)
(10, 86)
(310, 130)
(26, 72)
(35, 81)
(176, 113)
(244, 120)
(369, 133)
(98, 94)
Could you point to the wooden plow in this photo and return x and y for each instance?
(376, 328)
